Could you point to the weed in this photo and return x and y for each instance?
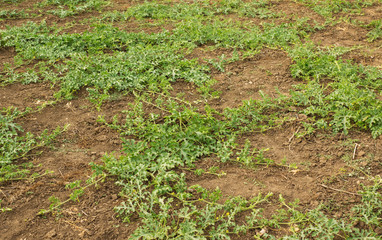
(370, 211)
(77, 191)
(147, 177)
(72, 7)
(329, 8)
(195, 10)
(12, 14)
(376, 30)
(138, 61)
(12, 1)
(4, 209)
(14, 145)
(344, 103)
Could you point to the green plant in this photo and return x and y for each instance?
(12, 1)
(14, 146)
(77, 191)
(12, 14)
(138, 68)
(195, 10)
(72, 7)
(345, 102)
(376, 30)
(329, 8)
(147, 169)
(315, 224)
(4, 209)
(370, 210)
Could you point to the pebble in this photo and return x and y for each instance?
(51, 233)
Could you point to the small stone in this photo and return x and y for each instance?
(363, 164)
(102, 138)
(314, 203)
(262, 232)
(82, 234)
(323, 160)
(51, 233)
(302, 116)
(338, 215)
(361, 153)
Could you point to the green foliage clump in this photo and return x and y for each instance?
(348, 100)
(376, 30)
(370, 211)
(138, 60)
(138, 68)
(154, 188)
(15, 145)
(148, 170)
(72, 7)
(317, 225)
(196, 10)
(12, 14)
(259, 9)
(144, 63)
(231, 34)
(12, 146)
(177, 11)
(39, 41)
(328, 8)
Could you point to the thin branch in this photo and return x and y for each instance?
(339, 190)
(291, 138)
(355, 150)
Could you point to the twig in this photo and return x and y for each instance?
(3, 193)
(359, 169)
(339, 190)
(291, 138)
(178, 99)
(61, 173)
(74, 225)
(57, 206)
(152, 104)
(355, 150)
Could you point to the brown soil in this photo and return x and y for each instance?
(342, 34)
(321, 158)
(243, 80)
